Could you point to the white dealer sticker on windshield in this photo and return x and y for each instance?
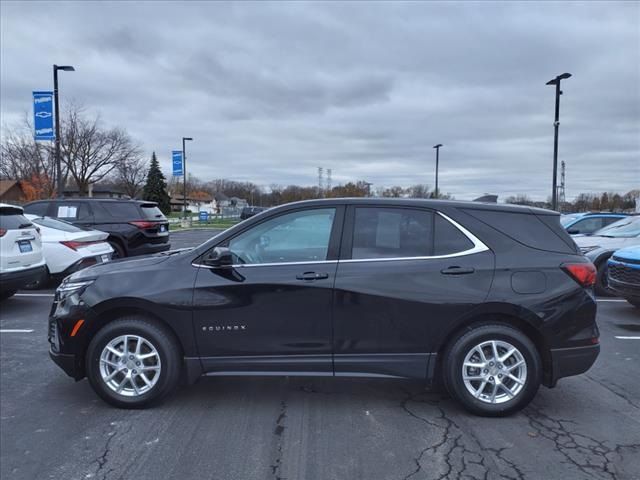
(65, 211)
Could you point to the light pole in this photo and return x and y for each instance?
(437, 147)
(184, 175)
(65, 68)
(556, 124)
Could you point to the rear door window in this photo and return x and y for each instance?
(122, 210)
(449, 239)
(392, 233)
(587, 225)
(72, 211)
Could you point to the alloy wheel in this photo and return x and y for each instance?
(130, 365)
(494, 371)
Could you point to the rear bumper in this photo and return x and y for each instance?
(566, 362)
(16, 280)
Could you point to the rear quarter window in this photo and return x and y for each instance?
(528, 229)
(151, 212)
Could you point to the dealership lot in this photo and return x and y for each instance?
(300, 428)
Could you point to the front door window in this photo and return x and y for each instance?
(294, 237)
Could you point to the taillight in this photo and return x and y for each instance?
(141, 224)
(76, 245)
(2, 232)
(583, 273)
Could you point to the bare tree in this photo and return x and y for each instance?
(24, 159)
(130, 175)
(89, 152)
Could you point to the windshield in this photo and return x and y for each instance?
(567, 219)
(627, 227)
(57, 224)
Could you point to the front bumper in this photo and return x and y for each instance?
(625, 290)
(566, 362)
(16, 280)
(66, 362)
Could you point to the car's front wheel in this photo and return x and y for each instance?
(492, 369)
(132, 362)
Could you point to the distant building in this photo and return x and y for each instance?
(194, 204)
(95, 192)
(11, 191)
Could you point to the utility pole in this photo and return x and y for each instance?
(556, 124)
(437, 147)
(184, 175)
(320, 171)
(65, 68)
(328, 180)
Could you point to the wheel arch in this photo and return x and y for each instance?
(504, 316)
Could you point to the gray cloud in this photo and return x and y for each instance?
(270, 91)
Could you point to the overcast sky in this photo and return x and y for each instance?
(271, 91)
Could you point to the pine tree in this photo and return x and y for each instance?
(155, 190)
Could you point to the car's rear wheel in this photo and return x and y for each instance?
(602, 280)
(492, 369)
(118, 251)
(132, 362)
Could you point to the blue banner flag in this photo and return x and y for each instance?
(43, 116)
(176, 155)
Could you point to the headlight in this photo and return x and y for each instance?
(588, 249)
(67, 288)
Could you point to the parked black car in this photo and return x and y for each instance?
(135, 227)
(493, 300)
(248, 212)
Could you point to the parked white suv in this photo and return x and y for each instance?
(21, 259)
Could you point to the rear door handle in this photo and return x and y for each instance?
(312, 276)
(457, 270)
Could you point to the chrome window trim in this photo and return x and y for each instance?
(478, 247)
(271, 264)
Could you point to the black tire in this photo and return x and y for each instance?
(602, 281)
(118, 251)
(42, 282)
(161, 339)
(5, 294)
(458, 349)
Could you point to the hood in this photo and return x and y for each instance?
(118, 266)
(629, 253)
(596, 245)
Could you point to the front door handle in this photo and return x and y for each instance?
(312, 276)
(455, 270)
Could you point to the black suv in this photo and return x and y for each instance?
(135, 227)
(491, 300)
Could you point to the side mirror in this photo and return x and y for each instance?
(218, 257)
(573, 231)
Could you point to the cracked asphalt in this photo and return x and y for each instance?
(588, 427)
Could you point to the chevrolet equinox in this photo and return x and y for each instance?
(489, 300)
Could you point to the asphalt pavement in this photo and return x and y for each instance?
(51, 427)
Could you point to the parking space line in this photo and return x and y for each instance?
(611, 300)
(34, 294)
(16, 330)
(628, 338)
